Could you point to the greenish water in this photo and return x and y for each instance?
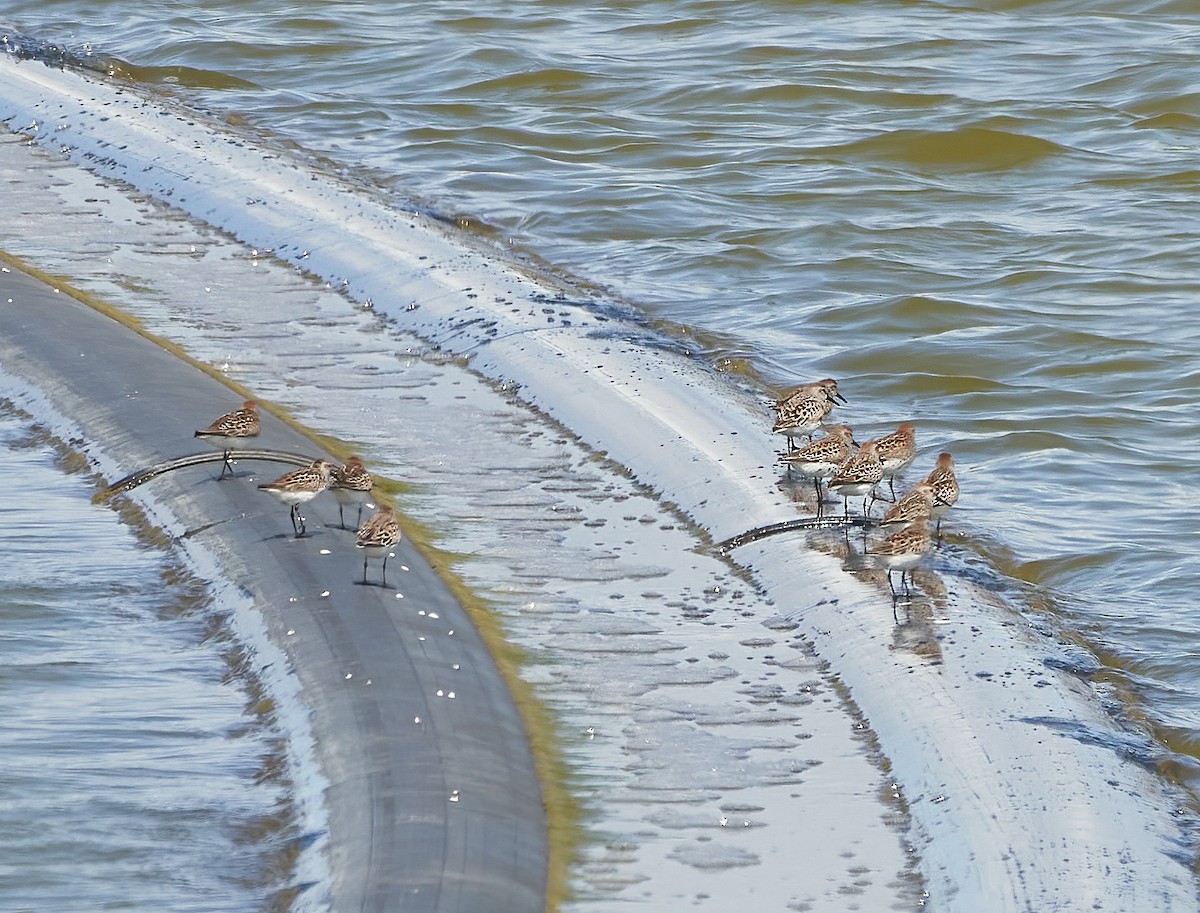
(983, 220)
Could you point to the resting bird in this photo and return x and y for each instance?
(231, 427)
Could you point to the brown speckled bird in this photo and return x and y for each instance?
(377, 537)
(299, 487)
(822, 458)
(902, 551)
(351, 484)
(945, 488)
(231, 427)
(896, 451)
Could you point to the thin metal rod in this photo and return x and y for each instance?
(142, 476)
(787, 526)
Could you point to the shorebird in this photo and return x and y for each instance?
(896, 452)
(230, 427)
(859, 476)
(377, 537)
(351, 484)
(298, 487)
(804, 409)
(902, 551)
(801, 416)
(945, 487)
(827, 389)
(821, 459)
(915, 504)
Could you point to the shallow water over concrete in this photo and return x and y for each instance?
(136, 773)
(696, 734)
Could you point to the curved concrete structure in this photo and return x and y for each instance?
(1023, 793)
(432, 801)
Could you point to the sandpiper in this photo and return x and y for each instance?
(804, 409)
(859, 476)
(902, 551)
(351, 484)
(298, 487)
(230, 427)
(915, 504)
(801, 416)
(827, 389)
(896, 452)
(821, 459)
(377, 537)
(945, 487)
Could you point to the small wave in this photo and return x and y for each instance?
(965, 149)
(1173, 120)
(872, 97)
(913, 313)
(552, 79)
(188, 77)
(1062, 570)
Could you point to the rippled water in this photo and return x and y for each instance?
(982, 219)
(133, 777)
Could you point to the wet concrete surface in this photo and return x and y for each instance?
(432, 801)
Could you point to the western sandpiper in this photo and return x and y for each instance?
(822, 458)
(916, 504)
(859, 476)
(230, 427)
(298, 487)
(801, 416)
(822, 389)
(945, 487)
(896, 451)
(351, 484)
(377, 537)
(804, 409)
(902, 551)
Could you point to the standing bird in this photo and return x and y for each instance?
(896, 451)
(902, 551)
(859, 476)
(821, 459)
(231, 427)
(377, 537)
(916, 504)
(351, 484)
(298, 487)
(801, 416)
(827, 389)
(945, 488)
(804, 409)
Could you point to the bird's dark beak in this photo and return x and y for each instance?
(838, 398)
